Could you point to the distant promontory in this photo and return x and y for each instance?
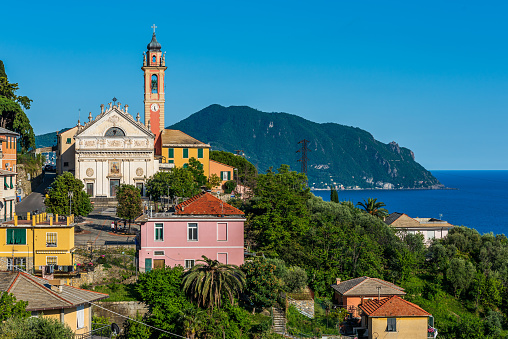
(343, 156)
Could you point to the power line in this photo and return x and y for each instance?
(121, 315)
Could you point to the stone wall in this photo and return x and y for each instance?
(306, 306)
(128, 308)
(28, 185)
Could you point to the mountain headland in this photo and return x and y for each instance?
(338, 155)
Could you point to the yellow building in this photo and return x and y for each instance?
(33, 244)
(65, 154)
(178, 148)
(53, 299)
(395, 317)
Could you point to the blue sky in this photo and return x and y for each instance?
(432, 76)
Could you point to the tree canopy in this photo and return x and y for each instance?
(12, 115)
(59, 201)
(129, 202)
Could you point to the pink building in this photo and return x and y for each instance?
(202, 225)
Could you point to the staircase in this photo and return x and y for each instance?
(279, 320)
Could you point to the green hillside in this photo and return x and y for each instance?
(47, 140)
(342, 154)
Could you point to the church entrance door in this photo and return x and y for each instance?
(113, 184)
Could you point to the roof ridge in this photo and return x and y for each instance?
(44, 287)
(13, 281)
(222, 163)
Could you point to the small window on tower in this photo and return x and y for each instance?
(154, 83)
(153, 59)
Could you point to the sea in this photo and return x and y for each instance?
(476, 199)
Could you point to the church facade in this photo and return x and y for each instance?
(113, 149)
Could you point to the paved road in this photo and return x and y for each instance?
(35, 201)
(97, 227)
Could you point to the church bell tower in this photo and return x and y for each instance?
(154, 66)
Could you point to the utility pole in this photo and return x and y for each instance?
(304, 157)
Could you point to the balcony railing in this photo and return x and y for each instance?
(97, 333)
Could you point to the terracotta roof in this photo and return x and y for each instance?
(174, 137)
(393, 306)
(206, 204)
(363, 286)
(40, 295)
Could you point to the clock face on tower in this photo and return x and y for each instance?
(154, 107)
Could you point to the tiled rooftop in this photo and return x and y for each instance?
(364, 286)
(393, 306)
(176, 137)
(206, 204)
(40, 295)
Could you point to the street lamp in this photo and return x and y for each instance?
(70, 202)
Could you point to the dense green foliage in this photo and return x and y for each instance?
(170, 310)
(246, 171)
(58, 200)
(12, 115)
(178, 182)
(36, 327)
(10, 308)
(349, 155)
(129, 202)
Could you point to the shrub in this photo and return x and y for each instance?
(295, 279)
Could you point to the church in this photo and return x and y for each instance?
(114, 148)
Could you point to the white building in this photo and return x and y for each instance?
(113, 149)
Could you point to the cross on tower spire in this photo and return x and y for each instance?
(154, 27)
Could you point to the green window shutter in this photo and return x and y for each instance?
(185, 165)
(11, 182)
(171, 161)
(229, 175)
(148, 264)
(185, 152)
(200, 153)
(221, 175)
(5, 183)
(171, 153)
(16, 236)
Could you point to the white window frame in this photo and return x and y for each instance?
(224, 175)
(155, 227)
(189, 228)
(189, 263)
(227, 231)
(80, 316)
(47, 239)
(16, 262)
(56, 260)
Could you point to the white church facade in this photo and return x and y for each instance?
(113, 149)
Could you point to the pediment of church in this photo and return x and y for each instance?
(114, 129)
(114, 122)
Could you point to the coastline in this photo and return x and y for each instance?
(385, 189)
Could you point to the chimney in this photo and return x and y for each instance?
(56, 285)
(338, 280)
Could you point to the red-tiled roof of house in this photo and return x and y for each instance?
(366, 286)
(206, 204)
(393, 306)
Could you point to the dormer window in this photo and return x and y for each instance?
(114, 132)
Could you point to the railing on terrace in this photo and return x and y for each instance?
(101, 332)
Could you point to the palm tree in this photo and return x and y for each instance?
(192, 320)
(373, 207)
(206, 282)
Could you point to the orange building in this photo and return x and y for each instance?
(8, 159)
(223, 171)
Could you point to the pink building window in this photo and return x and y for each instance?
(159, 232)
(192, 231)
(189, 263)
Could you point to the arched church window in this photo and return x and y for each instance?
(114, 132)
(154, 83)
(154, 59)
